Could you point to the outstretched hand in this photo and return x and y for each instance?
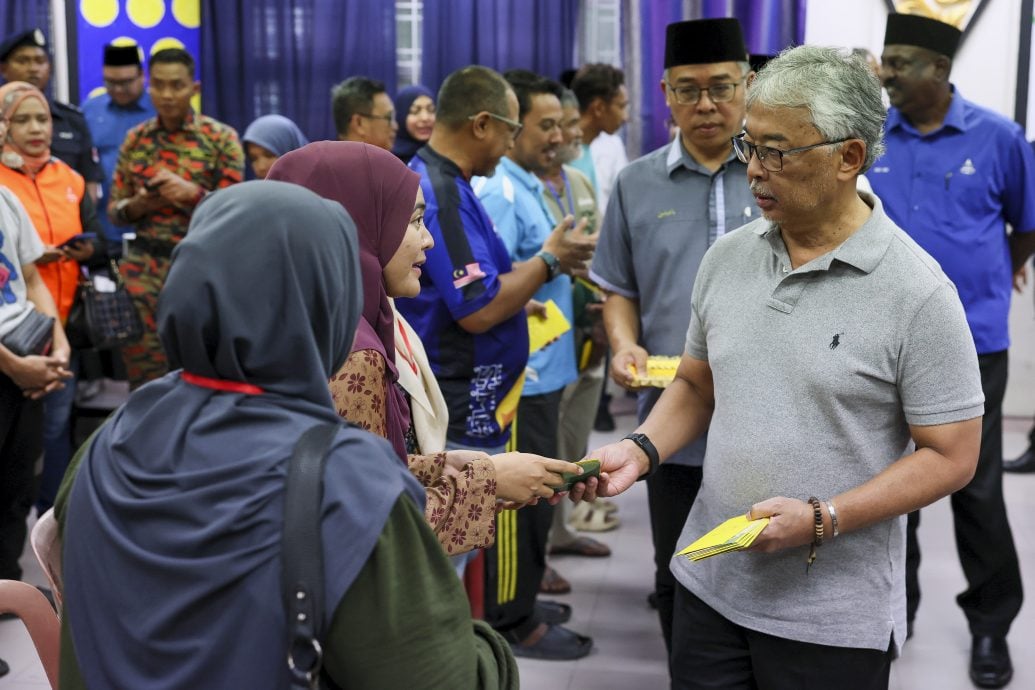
(621, 464)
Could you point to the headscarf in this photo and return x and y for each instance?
(275, 133)
(12, 95)
(174, 521)
(378, 191)
(405, 145)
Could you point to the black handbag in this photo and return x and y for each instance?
(33, 336)
(103, 320)
(302, 585)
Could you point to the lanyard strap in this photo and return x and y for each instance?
(567, 192)
(408, 354)
(220, 384)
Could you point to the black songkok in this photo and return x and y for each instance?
(121, 56)
(702, 41)
(923, 32)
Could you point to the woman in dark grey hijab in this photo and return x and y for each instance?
(173, 522)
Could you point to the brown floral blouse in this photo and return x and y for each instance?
(461, 504)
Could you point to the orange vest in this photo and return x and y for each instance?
(52, 201)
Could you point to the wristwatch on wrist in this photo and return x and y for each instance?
(553, 264)
(120, 210)
(649, 450)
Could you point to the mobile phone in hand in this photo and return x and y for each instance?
(76, 239)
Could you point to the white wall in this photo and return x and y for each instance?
(985, 71)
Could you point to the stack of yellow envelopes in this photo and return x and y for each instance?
(733, 535)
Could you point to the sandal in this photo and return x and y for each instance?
(607, 506)
(586, 517)
(582, 546)
(553, 583)
(552, 612)
(551, 642)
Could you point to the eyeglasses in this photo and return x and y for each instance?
(514, 125)
(116, 84)
(769, 158)
(387, 117)
(718, 93)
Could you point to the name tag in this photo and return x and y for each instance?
(66, 135)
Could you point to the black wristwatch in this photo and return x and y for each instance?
(648, 448)
(553, 264)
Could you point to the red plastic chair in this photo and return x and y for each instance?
(29, 604)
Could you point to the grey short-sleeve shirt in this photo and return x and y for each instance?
(818, 374)
(19, 245)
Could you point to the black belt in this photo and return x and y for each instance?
(161, 249)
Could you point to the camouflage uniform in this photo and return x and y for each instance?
(203, 151)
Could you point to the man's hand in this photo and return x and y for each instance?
(1020, 279)
(572, 247)
(80, 251)
(37, 375)
(174, 189)
(791, 523)
(535, 308)
(50, 255)
(522, 477)
(621, 464)
(629, 356)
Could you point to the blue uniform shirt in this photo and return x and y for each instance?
(480, 374)
(953, 190)
(513, 198)
(108, 125)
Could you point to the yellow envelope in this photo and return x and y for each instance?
(543, 330)
(734, 534)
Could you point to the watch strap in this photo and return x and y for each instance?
(649, 450)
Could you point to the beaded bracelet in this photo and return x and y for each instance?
(818, 531)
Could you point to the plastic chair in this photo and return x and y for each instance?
(46, 544)
(29, 604)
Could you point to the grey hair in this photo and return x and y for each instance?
(840, 91)
(569, 99)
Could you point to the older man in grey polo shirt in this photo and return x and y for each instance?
(832, 359)
(666, 209)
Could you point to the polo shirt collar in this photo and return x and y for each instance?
(954, 116)
(679, 157)
(519, 174)
(432, 157)
(864, 249)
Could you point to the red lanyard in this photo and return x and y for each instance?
(221, 384)
(408, 354)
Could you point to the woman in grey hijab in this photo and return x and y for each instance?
(268, 138)
(173, 515)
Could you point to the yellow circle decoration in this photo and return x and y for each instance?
(99, 12)
(195, 102)
(123, 41)
(145, 13)
(167, 42)
(187, 12)
(96, 92)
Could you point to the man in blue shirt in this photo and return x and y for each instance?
(513, 197)
(109, 115)
(953, 176)
(470, 313)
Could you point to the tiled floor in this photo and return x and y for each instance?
(609, 601)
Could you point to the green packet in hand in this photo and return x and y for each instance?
(590, 468)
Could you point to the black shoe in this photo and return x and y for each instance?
(552, 612)
(4, 668)
(1024, 463)
(604, 420)
(990, 665)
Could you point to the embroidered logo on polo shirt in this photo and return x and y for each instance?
(666, 214)
(968, 168)
(836, 341)
(880, 169)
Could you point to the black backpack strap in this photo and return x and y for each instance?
(302, 555)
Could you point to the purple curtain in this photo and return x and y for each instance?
(284, 56)
(533, 34)
(20, 15)
(769, 27)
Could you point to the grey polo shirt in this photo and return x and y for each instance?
(818, 374)
(663, 214)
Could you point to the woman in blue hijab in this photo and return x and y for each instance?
(172, 521)
(415, 114)
(269, 138)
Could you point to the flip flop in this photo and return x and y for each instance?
(553, 583)
(555, 643)
(607, 506)
(586, 517)
(582, 546)
(552, 612)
